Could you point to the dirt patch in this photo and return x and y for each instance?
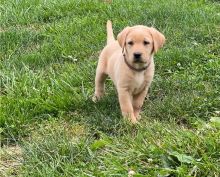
(2, 30)
(30, 27)
(10, 160)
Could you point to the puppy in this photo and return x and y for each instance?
(128, 61)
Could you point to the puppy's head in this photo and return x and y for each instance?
(139, 43)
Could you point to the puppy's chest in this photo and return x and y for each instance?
(138, 83)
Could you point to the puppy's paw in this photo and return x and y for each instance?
(139, 117)
(130, 117)
(134, 121)
(96, 98)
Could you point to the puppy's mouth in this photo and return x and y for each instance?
(139, 61)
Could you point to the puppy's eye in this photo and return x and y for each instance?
(130, 42)
(146, 42)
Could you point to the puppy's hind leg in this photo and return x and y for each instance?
(99, 85)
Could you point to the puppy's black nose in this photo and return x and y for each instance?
(137, 55)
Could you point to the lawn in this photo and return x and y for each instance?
(48, 123)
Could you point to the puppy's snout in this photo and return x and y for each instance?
(137, 56)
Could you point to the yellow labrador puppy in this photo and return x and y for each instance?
(128, 61)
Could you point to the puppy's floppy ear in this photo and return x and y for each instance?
(158, 39)
(122, 36)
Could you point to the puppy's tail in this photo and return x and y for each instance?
(110, 35)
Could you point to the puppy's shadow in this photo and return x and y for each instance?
(104, 115)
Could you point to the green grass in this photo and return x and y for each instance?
(48, 56)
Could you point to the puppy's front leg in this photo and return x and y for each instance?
(138, 101)
(125, 101)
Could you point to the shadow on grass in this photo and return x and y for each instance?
(103, 116)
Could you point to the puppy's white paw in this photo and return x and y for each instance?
(134, 121)
(95, 98)
(139, 117)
